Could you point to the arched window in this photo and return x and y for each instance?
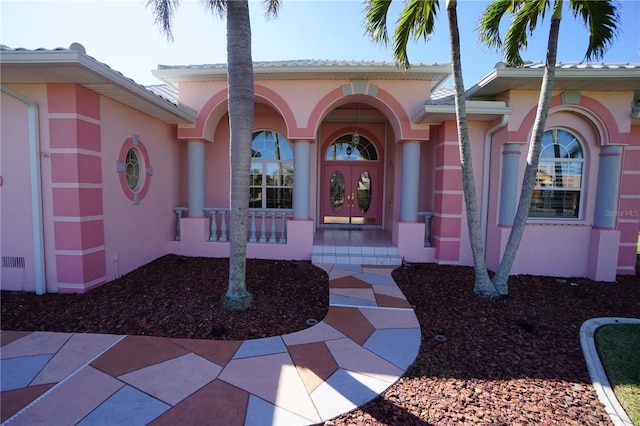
(352, 147)
(271, 185)
(559, 182)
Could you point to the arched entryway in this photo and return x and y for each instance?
(351, 182)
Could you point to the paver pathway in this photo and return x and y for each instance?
(366, 342)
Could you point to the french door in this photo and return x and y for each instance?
(351, 193)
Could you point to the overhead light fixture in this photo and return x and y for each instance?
(355, 139)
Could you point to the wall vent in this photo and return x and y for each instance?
(12, 262)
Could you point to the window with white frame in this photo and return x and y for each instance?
(559, 181)
(271, 184)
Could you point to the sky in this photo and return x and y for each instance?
(123, 35)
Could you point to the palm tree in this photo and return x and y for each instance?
(417, 20)
(600, 17)
(241, 108)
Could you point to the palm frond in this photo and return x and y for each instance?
(525, 21)
(489, 23)
(273, 7)
(416, 20)
(375, 23)
(164, 11)
(217, 7)
(601, 18)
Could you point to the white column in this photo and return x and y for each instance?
(509, 183)
(301, 178)
(196, 177)
(410, 182)
(606, 194)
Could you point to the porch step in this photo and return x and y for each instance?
(367, 255)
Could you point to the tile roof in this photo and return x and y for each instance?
(73, 64)
(584, 65)
(298, 63)
(167, 94)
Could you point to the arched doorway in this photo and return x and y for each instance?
(351, 182)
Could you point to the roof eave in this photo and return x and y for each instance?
(490, 84)
(43, 58)
(476, 110)
(175, 75)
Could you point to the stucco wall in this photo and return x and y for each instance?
(136, 234)
(16, 230)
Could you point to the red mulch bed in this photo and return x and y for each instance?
(512, 361)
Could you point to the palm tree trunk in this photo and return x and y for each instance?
(241, 109)
(483, 285)
(533, 155)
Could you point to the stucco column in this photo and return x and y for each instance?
(509, 183)
(609, 170)
(410, 181)
(196, 177)
(301, 178)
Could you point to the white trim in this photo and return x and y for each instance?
(76, 185)
(73, 151)
(77, 219)
(73, 116)
(449, 191)
(80, 252)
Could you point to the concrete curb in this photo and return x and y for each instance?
(598, 376)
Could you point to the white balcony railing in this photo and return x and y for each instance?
(427, 224)
(268, 226)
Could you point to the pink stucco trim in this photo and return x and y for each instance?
(217, 102)
(74, 133)
(631, 159)
(629, 183)
(447, 154)
(80, 268)
(449, 179)
(73, 98)
(387, 104)
(630, 205)
(79, 235)
(76, 168)
(216, 107)
(77, 202)
(627, 256)
(593, 111)
(447, 251)
(448, 227)
(448, 203)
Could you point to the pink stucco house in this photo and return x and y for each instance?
(99, 175)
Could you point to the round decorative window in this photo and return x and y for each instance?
(134, 169)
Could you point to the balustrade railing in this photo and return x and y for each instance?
(267, 226)
(427, 225)
(179, 211)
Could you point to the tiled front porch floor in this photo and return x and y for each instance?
(368, 339)
(366, 246)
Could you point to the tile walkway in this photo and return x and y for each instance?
(366, 342)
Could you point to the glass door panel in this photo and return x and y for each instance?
(348, 194)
